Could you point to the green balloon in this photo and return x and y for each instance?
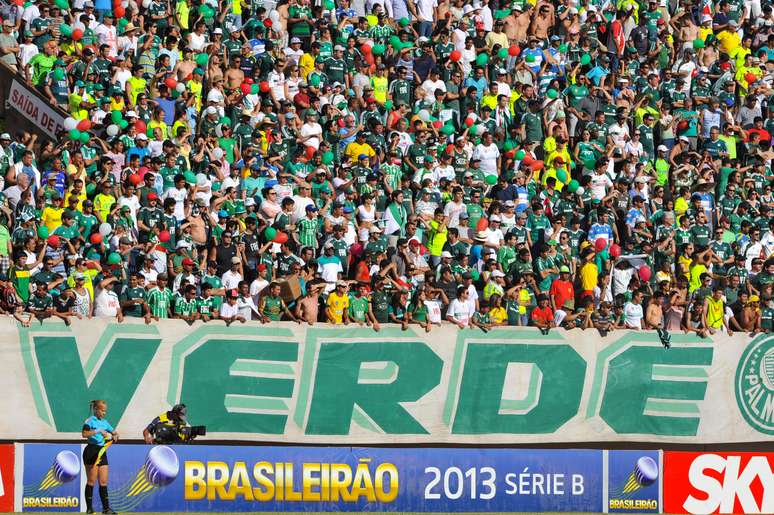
(573, 186)
(563, 48)
(226, 121)
(270, 233)
(255, 89)
(377, 49)
(530, 58)
(502, 53)
(62, 4)
(123, 22)
(520, 155)
(43, 232)
(585, 59)
(58, 74)
(482, 59)
(552, 93)
(190, 177)
(90, 187)
(116, 116)
(388, 104)
(123, 124)
(314, 81)
(201, 59)
(561, 176)
(447, 129)
(475, 275)
(329, 5)
(65, 30)
(84, 137)
(327, 158)
(491, 179)
(404, 22)
(114, 258)
(74, 134)
(215, 186)
(590, 164)
(508, 146)
(698, 43)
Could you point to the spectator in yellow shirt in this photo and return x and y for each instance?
(338, 305)
(51, 216)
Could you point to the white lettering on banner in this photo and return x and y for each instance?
(35, 110)
(721, 496)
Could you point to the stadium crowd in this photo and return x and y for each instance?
(555, 164)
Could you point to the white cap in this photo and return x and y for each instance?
(218, 31)
(294, 40)
(5, 135)
(498, 273)
(131, 114)
(375, 230)
(446, 254)
(141, 136)
(495, 218)
(211, 110)
(641, 179)
(684, 138)
(662, 148)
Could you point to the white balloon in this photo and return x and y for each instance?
(579, 191)
(112, 130)
(217, 153)
(274, 16)
(480, 129)
(201, 179)
(70, 123)
(180, 88)
(424, 115)
(146, 3)
(105, 229)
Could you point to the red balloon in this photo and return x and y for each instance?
(682, 125)
(164, 236)
(248, 80)
(514, 50)
(450, 148)
(469, 121)
(142, 171)
(245, 87)
(265, 88)
(510, 154)
(140, 126)
(119, 11)
(170, 82)
(615, 250)
(310, 152)
(83, 125)
(365, 48)
(53, 241)
(482, 225)
(437, 124)
(95, 238)
(528, 160)
(268, 23)
(750, 77)
(135, 179)
(77, 34)
(644, 272)
(341, 123)
(536, 164)
(600, 244)
(281, 237)
(455, 56)
(369, 58)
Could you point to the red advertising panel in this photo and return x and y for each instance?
(6, 478)
(721, 482)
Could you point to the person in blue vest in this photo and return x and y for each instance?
(99, 436)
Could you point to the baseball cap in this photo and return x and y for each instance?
(235, 260)
(141, 137)
(564, 269)
(295, 40)
(444, 254)
(375, 230)
(5, 136)
(188, 262)
(498, 273)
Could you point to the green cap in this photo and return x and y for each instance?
(79, 84)
(198, 71)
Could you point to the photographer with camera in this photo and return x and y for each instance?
(172, 427)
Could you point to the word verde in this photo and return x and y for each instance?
(265, 481)
(263, 381)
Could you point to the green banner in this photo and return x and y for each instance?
(351, 385)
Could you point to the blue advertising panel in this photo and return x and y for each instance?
(634, 481)
(50, 478)
(209, 478)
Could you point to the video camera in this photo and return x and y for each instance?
(176, 429)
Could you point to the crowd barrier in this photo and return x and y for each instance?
(302, 384)
(203, 478)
